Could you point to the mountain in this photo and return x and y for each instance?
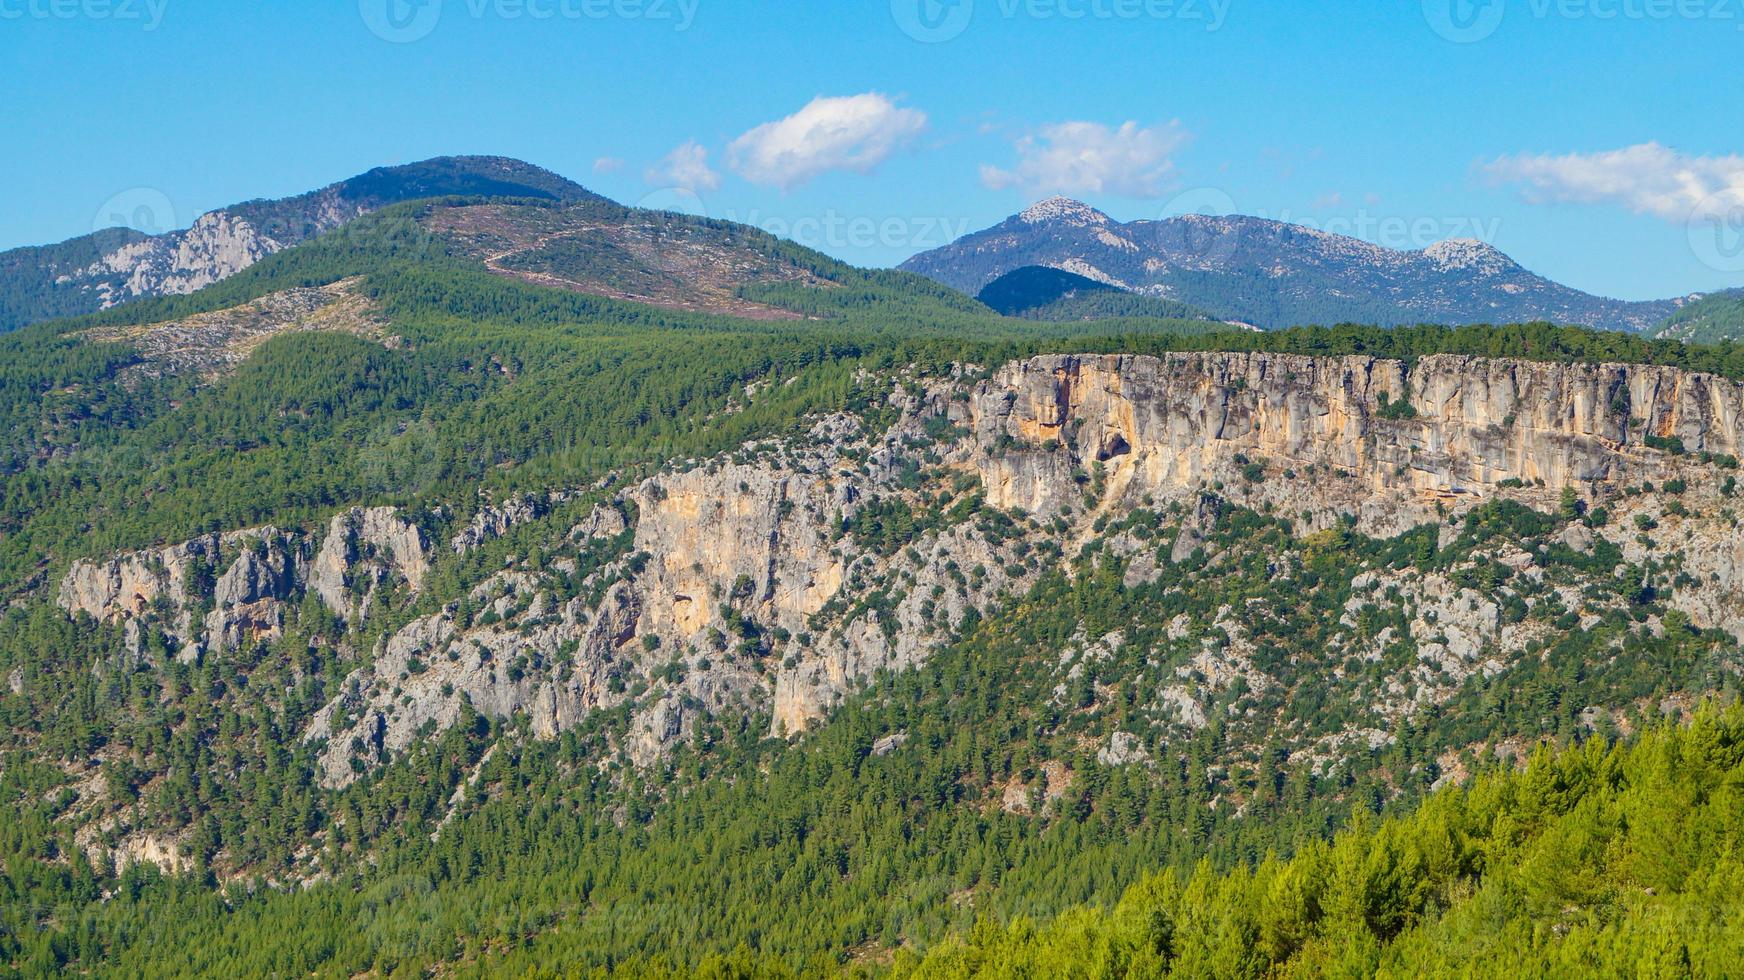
(1275, 274)
(509, 585)
(1040, 293)
(112, 266)
(1706, 320)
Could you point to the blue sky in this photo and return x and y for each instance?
(1596, 141)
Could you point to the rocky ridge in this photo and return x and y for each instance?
(765, 580)
(1277, 274)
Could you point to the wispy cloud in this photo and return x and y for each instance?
(1646, 178)
(685, 167)
(608, 165)
(1091, 158)
(855, 132)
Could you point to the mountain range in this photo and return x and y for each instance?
(1039, 292)
(1244, 270)
(1273, 274)
(115, 265)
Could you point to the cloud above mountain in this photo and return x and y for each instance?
(854, 132)
(685, 167)
(1647, 178)
(1091, 158)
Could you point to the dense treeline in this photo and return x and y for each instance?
(799, 854)
(1598, 861)
(1715, 318)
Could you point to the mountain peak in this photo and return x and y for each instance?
(1468, 254)
(1063, 210)
(1276, 274)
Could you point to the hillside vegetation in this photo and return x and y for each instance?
(1712, 319)
(364, 653)
(1596, 861)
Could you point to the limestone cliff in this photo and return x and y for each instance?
(764, 580)
(1165, 425)
(218, 591)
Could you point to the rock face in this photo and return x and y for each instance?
(370, 544)
(764, 580)
(238, 583)
(434, 668)
(496, 521)
(1163, 425)
(163, 588)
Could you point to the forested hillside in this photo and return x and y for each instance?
(1596, 861)
(400, 606)
(1040, 293)
(1712, 319)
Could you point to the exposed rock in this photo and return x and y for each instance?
(212, 344)
(164, 587)
(362, 548)
(748, 585)
(1123, 748)
(606, 521)
(1168, 425)
(494, 521)
(889, 743)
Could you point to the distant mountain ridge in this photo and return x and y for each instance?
(1706, 319)
(94, 272)
(1039, 292)
(1276, 274)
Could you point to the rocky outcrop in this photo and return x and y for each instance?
(1172, 423)
(363, 548)
(763, 580)
(213, 344)
(221, 591)
(493, 521)
(163, 588)
(218, 245)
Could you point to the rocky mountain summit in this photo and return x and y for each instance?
(112, 266)
(776, 580)
(1275, 274)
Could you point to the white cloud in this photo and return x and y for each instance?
(1090, 158)
(608, 165)
(1647, 178)
(855, 132)
(686, 167)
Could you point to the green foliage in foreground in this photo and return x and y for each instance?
(556, 860)
(1600, 861)
(1712, 319)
